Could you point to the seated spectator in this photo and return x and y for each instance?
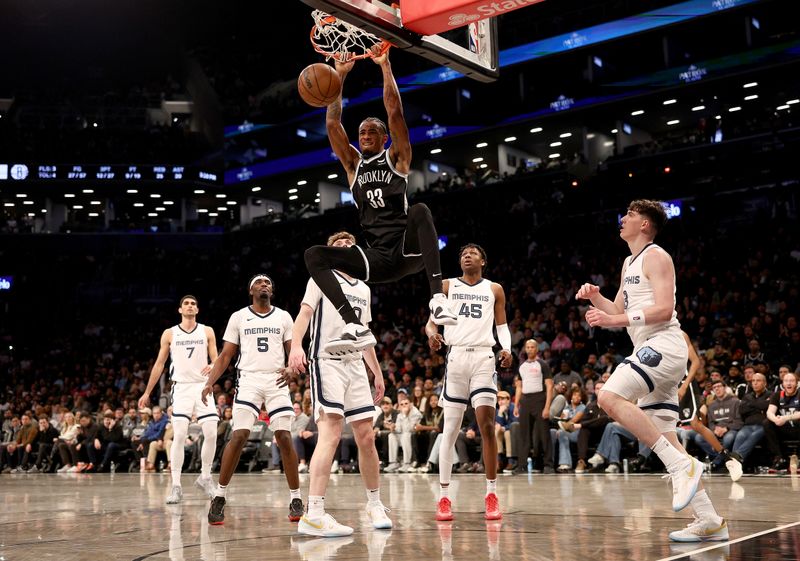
(567, 375)
(408, 417)
(504, 419)
(564, 434)
(45, 441)
(589, 424)
(723, 420)
(426, 430)
(16, 454)
(753, 412)
(610, 447)
(83, 448)
(468, 444)
(306, 439)
(782, 423)
(68, 437)
(153, 432)
(108, 442)
(383, 426)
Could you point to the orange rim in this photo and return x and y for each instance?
(347, 56)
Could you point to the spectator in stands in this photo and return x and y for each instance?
(83, 449)
(565, 434)
(408, 417)
(108, 441)
(561, 344)
(427, 429)
(753, 412)
(504, 419)
(754, 356)
(568, 375)
(68, 437)
(45, 440)
(383, 426)
(153, 432)
(589, 424)
(15, 456)
(306, 438)
(783, 419)
(610, 448)
(723, 420)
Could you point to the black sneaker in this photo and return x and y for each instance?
(296, 510)
(216, 513)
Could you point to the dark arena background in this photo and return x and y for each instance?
(154, 149)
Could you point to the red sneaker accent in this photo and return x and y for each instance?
(493, 507)
(443, 511)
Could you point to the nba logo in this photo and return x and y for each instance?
(474, 38)
(3, 171)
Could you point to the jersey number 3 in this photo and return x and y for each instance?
(375, 197)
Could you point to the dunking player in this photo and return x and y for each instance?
(470, 369)
(339, 393)
(190, 346)
(401, 240)
(645, 304)
(262, 335)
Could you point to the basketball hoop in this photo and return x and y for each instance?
(342, 41)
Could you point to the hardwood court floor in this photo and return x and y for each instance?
(546, 517)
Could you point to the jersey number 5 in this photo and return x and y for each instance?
(375, 197)
(262, 344)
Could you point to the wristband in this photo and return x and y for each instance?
(636, 318)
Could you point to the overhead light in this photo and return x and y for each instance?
(565, 135)
(316, 200)
(554, 144)
(434, 151)
(667, 169)
(134, 191)
(221, 196)
(630, 174)
(637, 112)
(44, 211)
(718, 117)
(333, 176)
(302, 182)
(161, 208)
(536, 129)
(31, 214)
(484, 166)
(608, 143)
(28, 202)
(69, 195)
(95, 203)
(138, 205)
(155, 196)
(88, 191)
(256, 189)
(21, 195)
(476, 160)
(77, 207)
(199, 191)
(94, 214)
(750, 85)
(670, 101)
(590, 136)
(8, 204)
(292, 191)
(782, 107)
(792, 101)
(213, 214)
(554, 156)
(673, 122)
(317, 195)
(94, 125)
(698, 107)
(169, 202)
(222, 208)
(293, 198)
(734, 109)
(482, 145)
(751, 97)
(510, 139)
(614, 131)
(152, 214)
(202, 210)
(231, 203)
(302, 133)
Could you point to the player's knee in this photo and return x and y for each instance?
(239, 437)
(605, 400)
(283, 438)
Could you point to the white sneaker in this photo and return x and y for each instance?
(64, 469)
(391, 468)
(376, 513)
(700, 530)
(73, 469)
(734, 469)
(325, 527)
(302, 468)
(334, 466)
(175, 495)
(685, 482)
(406, 468)
(207, 485)
(597, 460)
(440, 311)
(612, 468)
(355, 337)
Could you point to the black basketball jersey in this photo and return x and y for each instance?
(380, 193)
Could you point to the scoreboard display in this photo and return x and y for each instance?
(98, 173)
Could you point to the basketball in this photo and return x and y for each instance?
(319, 84)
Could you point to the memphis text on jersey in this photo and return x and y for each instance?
(193, 342)
(476, 297)
(633, 279)
(263, 331)
(356, 300)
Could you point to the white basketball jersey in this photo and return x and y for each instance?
(638, 294)
(327, 324)
(474, 306)
(260, 338)
(188, 354)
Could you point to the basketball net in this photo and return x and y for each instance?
(342, 41)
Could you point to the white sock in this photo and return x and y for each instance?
(295, 494)
(373, 496)
(669, 455)
(444, 490)
(491, 486)
(703, 509)
(221, 490)
(316, 506)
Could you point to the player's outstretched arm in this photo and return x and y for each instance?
(336, 133)
(219, 367)
(158, 367)
(400, 151)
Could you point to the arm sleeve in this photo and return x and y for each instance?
(232, 330)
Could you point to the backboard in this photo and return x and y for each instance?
(471, 50)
